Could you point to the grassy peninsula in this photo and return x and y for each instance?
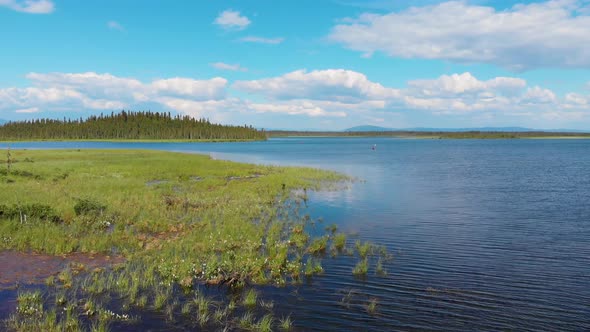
(178, 221)
(128, 126)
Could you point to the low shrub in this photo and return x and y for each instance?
(29, 211)
(87, 206)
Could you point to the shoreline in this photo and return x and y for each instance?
(452, 136)
(419, 137)
(180, 222)
(137, 140)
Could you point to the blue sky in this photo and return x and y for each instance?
(321, 64)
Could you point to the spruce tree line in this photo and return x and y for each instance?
(128, 125)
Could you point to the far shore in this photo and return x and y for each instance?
(436, 135)
(135, 140)
(409, 135)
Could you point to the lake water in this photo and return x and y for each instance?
(487, 234)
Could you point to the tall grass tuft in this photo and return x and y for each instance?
(250, 298)
(363, 249)
(265, 323)
(372, 306)
(285, 323)
(361, 268)
(339, 241)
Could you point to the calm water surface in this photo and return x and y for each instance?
(487, 234)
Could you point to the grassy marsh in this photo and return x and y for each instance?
(177, 221)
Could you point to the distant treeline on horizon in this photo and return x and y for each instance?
(128, 125)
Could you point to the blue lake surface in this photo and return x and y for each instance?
(487, 234)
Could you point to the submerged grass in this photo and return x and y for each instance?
(285, 323)
(361, 268)
(265, 323)
(250, 299)
(372, 306)
(339, 241)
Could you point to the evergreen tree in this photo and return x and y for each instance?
(128, 125)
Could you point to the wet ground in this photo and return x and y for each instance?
(17, 268)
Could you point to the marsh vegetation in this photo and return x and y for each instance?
(178, 223)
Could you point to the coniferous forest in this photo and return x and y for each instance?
(128, 125)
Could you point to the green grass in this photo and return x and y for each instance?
(176, 219)
(220, 315)
(30, 303)
(250, 299)
(313, 266)
(107, 205)
(202, 303)
(363, 249)
(160, 300)
(361, 268)
(186, 308)
(318, 246)
(142, 301)
(286, 324)
(246, 322)
(265, 323)
(339, 241)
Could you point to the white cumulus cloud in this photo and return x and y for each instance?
(294, 108)
(466, 83)
(262, 40)
(330, 84)
(94, 91)
(231, 19)
(28, 110)
(526, 36)
(329, 93)
(114, 25)
(192, 89)
(30, 6)
(90, 83)
(576, 99)
(538, 95)
(227, 66)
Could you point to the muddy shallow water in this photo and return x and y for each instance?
(17, 268)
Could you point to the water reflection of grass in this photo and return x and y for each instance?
(180, 221)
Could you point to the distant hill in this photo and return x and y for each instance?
(368, 128)
(450, 130)
(485, 129)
